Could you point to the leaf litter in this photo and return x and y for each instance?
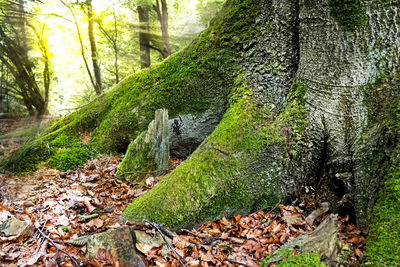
(69, 206)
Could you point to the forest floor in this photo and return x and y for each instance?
(62, 206)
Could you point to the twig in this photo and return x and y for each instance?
(237, 262)
(157, 227)
(58, 249)
(206, 239)
(139, 172)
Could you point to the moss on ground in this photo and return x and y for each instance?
(304, 259)
(190, 81)
(349, 14)
(218, 178)
(70, 158)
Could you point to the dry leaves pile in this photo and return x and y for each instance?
(66, 206)
(245, 241)
(89, 200)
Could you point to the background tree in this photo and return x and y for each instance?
(112, 38)
(95, 78)
(207, 9)
(14, 54)
(162, 16)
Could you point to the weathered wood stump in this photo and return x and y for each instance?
(149, 152)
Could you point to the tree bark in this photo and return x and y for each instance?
(93, 49)
(162, 16)
(308, 71)
(144, 37)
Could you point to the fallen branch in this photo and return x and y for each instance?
(58, 249)
(170, 235)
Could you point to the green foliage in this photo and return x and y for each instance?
(188, 82)
(70, 158)
(349, 14)
(207, 9)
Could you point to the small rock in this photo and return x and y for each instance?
(15, 227)
(120, 244)
(109, 210)
(28, 203)
(324, 240)
(152, 240)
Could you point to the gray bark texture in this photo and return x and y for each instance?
(308, 68)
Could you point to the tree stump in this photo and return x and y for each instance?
(149, 152)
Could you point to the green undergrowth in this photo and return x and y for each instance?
(223, 176)
(349, 14)
(190, 81)
(63, 153)
(383, 242)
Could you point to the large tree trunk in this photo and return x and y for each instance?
(309, 71)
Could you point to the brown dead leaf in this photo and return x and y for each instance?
(181, 242)
(98, 223)
(144, 248)
(88, 205)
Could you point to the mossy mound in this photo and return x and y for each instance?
(190, 81)
(225, 174)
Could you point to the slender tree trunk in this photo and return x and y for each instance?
(144, 37)
(162, 15)
(93, 48)
(116, 65)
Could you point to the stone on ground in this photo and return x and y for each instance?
(15, 227)
(120, 243)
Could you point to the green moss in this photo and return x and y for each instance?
(309, 260)
(220, 178)
(70, 158)
(349, 14)
(385, 2)
(383, 242)
(63, 141)
(303, 259)
(27, 158)
(136, 160)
